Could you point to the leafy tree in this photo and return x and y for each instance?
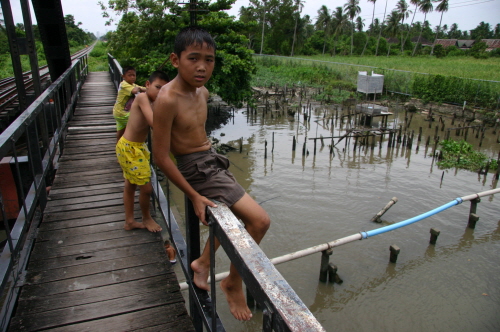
(339, 23)
(482, 31)
(359, 24)
(439, 51)
(392, 27)
(425, 7)
(370, 28)
(442, 7)
(145, 37)
(404, 12)
(416, 3)
(299, 5)
(478, 50)
(324, 22)
(352, 9)
(380, 32)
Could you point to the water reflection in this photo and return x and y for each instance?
(316, 198)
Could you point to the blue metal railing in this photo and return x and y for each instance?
(36, 137)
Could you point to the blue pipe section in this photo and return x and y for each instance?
(407, 222)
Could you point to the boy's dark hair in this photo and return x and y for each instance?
(166, 242)
(192, 35)
(127, 68)
(158, 74)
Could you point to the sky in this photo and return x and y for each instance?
(466, 13)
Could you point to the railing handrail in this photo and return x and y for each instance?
(43, 123)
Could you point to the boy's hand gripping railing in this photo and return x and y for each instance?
(283, 309)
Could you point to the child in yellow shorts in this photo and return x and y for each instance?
(133, 154)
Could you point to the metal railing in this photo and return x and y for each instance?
(32, 145)
(283, 310)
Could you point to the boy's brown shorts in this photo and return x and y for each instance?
(207, 172)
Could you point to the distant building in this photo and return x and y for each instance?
(492, 44)
(392, 40)
(465, 44)
(422, 41)
(446, 42)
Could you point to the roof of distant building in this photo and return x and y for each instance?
(446, 42)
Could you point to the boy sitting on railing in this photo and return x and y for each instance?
(179, 119)
(133, 154)
(127, 90)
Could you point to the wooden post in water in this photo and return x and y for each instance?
(272, 145)
(497, 173)
(315, 146)
(325, 262)
(265, 149)
(241, 144)
(394, 249)
(294, 143)
(419, 134)
(376, 218)
(473, 217)
(434, 235)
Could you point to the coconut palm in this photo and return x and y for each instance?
(442, 7)
(352, 9)
(416, 3)
(299, 5)
(339, 22)
(263, 24)
(402, 8)
(425, 7)
(392, 26)
(368, 37)
(324, 22)
(380, 31)
(359, 24)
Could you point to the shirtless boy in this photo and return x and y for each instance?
(133, 154)
(179, 120)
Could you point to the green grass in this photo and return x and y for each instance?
(467, 67)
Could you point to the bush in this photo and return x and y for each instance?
(495, 53)
(439, 51)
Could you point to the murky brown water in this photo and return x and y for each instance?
(452, 286)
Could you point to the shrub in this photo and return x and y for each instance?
(439, 51)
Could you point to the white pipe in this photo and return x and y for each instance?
(328, 245)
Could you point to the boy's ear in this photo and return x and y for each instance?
(174, 60)
(147, 84)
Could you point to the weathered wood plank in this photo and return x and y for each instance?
(74, 271)
(91, 192)
(174, 317)
(163, 283)
(85, 206)
(96, 280)
(83, 230)
(77, 314)
(99, 256)
(42, 252)
(83, 199)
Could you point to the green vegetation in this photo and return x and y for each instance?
(145, 35)
(98, 58)
(462, 155)
(77, 39)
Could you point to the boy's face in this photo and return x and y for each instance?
(153, 88)
(195, 64)
(129, 76)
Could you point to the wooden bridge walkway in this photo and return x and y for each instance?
(86, 273)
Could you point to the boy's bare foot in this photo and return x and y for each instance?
(132, 224)
(200, 275)
(236, 299)
(151, 225)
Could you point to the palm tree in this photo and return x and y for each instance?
(359, 24)
(425, 7)
(442, 7)
(380, 31)
(263, 25)
(368, 37)
(416, 3)
(339, 22)
(299, 5)
(392, 27)
(324, 22)
(352, 9)
(402, 8)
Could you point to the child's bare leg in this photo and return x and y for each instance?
(128, 202)
(144, 197)
(256, 223)
(119, 134)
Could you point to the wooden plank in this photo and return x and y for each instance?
(61, 317)
(81, 216)
(74, 271)
(95, 280)
(84, 199)
(83, 230)
(41, 252)
(100, 256)
(174, 317)
(116, 189)
(85, 206)
(163, 283)
(61, 191)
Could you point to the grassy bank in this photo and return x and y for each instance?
(467, 67)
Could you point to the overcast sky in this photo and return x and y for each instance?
(466, 13)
